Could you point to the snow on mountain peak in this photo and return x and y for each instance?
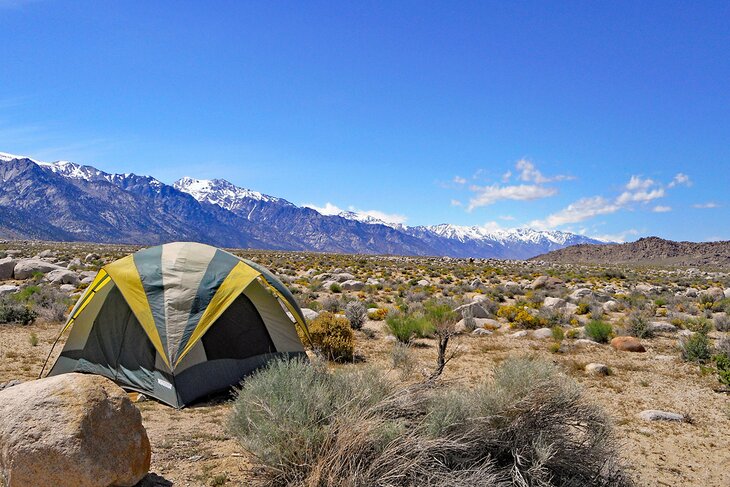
(219, 192)
(5, 157)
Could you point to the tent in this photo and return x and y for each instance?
(180, 321)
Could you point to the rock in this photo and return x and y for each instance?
(353, 285)
(714, 293)
(587, 342)
(390, 338)
(373, 282)
(62, 276)
(76, 262)
(597, 369)
(488, 323)
(77, 430)
(685, 333)
(343, 276)
(424, 282)
(481, 332)
(46, 253)
(519, 334)
(25, 268)
(91, 257)
(571, 308)
(646, 288)
(328, 284)
(7, 265)
(627, 344)
(511, 286)
(476, 283)
(309, 314)
(581, 293)
(67, 288)
(477, 310)
(610, 306)
(664, 358)
(539, 283)
(10, 383)
(553, 303)
(656, 415)
(542, 333)
(87, 280)
(691, 292)
(13, 252)
(726, 293)
(662, 327)
(8, 289)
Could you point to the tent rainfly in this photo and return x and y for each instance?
(180, 321)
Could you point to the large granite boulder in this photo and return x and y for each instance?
(25, 268)
(77, 430)
(7, 266)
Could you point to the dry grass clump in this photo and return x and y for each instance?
(529, 426)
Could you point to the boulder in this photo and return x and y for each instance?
(309, 314)
(627, 344)
(25, 268)
(714, 293)
(646, 288)
(373, 282)
(610, 306)
(597, 369)
(726, 293)
(477, 311)
(7, 265)
(553, 303)
(542, 333)
(91, 257)
(519, 334)
(586, 342)
(353, 285)
(691, 292)
(656, 415)
(67, 288)
(77, 430)
(539, 283)
(581, 293)
(424, 282)
(8, 289)
(62, 276)
(662, 327)
(476, 283)
(481, 332)
(343, 276)
(46, 253)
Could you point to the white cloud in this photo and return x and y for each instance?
(507, 217)
(327, 209)
(529, 173)
(641, 196)
(616, 237)
(506, 176)
(491, 226)
(459, 180)
(455, 203)
(679, 179)
(578, 211)
(330, 209)
(708, 205)
(637, 183)
(487, 195)
(661, 209)
(386, 217)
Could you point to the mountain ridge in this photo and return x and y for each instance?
(70, 201)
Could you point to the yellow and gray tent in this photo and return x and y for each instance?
(180, 321)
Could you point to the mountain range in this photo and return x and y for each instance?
(66, 201)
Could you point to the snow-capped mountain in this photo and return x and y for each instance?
(63, 200)
(220, 192)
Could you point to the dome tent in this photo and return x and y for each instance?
(180, 321)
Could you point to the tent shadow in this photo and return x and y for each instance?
(154, 480)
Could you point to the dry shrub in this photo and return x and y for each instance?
(332, 336)
(530, 426)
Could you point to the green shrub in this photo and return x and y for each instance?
(332, 336)
(407, 326)
(698, 325)
(722, 362)
(335, 288)
(598, 331)
(558, 333)
(14, 312)
(695, 348)
(639, 326)
(583, 309)
(722, 323)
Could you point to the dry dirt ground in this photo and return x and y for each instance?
(191, 447)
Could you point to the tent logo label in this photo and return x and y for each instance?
(164, 383)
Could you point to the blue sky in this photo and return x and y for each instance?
(605, 118)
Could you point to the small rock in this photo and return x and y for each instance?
(10, 383)
(481, 332)
(586, 342)
(67, 288)
(656, 415)
(353, 285)
(8, 289)
(424, 282)
(477, 310)
(62, 276)
(519, 334)
(538, 283)
(476, 283)
(597, 369)
(542, 333)
(581, 293)
(662, 327)
(553, 303)
(343, 276)
(390, 338)
(646, 288)
(664, 358)
(627, 344)
(610, 306)
(91, 257)
(685, 333)
(309, 314)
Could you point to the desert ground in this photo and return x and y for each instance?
(193, 446)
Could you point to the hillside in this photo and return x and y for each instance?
(647, 251)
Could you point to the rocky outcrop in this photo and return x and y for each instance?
(26, 268)
(72, 430)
